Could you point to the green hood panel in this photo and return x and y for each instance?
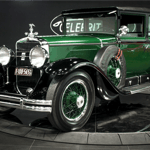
(76, 39)
(79, 46)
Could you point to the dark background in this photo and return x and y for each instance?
(16, 15)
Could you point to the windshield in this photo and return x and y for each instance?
(99, 24)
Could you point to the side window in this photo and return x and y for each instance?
(149, 26)
(135, 24)
(95, 24)
(102, 24)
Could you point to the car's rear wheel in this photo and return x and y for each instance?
(73, 101)
(6, 110)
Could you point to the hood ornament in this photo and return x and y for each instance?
(31, 34)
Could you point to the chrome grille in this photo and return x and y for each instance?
(24, 47)
(24, 82)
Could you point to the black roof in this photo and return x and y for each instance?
(92, 10)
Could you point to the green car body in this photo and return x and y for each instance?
(62, 47)
(134, 48)
(103, 52)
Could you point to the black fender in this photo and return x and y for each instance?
(64, 66)
(101, 59)
(60, 69)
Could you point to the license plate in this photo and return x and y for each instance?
(23, 72)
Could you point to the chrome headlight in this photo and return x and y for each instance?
(5, 55)
(38, 56)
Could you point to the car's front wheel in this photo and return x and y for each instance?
(73, 101)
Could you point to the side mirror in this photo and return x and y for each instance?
(123, 30)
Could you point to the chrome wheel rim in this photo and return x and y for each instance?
(114, 71)
(74, 100)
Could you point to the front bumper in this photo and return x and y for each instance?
(22, 102)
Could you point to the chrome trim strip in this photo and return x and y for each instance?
(7, 75)
(42, 43)
(39, 109)
(79, 44)
(26, 104)
(37, 102)
(41, 36)
(10, 98)
(7, 104)
(30, 108)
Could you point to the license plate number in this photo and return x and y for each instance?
(23, 72)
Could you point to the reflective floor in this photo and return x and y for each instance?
(130, 116)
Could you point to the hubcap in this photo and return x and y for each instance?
(118, 73)
(74, 100)
(114, 71)
(80, 101)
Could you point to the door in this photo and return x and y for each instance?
(133, 43)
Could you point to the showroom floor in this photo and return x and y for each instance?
(112, 126)
(11, 142)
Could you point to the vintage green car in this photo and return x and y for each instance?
(102, 53)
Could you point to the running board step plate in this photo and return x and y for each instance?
(140, 88)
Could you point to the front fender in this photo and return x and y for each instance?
(104, 86)
(64, 66)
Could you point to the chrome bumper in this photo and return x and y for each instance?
(26, 104)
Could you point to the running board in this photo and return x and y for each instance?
(140, 88)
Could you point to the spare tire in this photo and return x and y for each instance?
(111, 60)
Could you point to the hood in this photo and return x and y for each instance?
(78, 39)
(75, 45)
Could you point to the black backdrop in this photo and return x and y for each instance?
(15, 16)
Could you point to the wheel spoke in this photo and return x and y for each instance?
(112, 71)
(74, 100)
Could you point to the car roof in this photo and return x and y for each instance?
(96, 10)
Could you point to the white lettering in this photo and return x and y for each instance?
(71, 28)
(78, 26)
(90, 26)
(82, 27)
(94, 27)
(98, 25)
(20, 71)
(25, 72)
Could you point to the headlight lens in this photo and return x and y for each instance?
(5, 55)
(38, 56)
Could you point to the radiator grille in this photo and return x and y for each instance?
(24, 82)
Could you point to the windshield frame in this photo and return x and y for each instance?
(114, 13)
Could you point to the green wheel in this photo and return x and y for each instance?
(73, 101)
(114, 71)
